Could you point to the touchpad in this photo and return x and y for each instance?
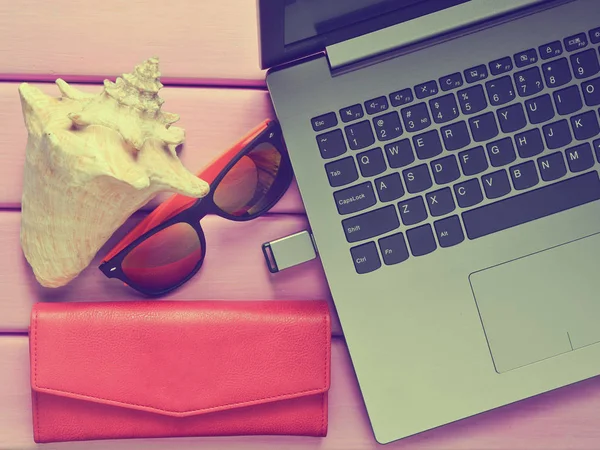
(540, 305)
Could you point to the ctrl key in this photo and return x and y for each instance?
(365, 257)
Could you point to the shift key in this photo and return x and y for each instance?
(355, 198)
(371, 224)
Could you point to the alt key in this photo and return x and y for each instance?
(365, 258)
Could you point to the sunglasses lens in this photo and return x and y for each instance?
(248, 187)
(165, 258)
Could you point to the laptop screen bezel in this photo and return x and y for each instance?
(271, 33)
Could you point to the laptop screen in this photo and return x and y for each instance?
(289, 29)
(308, 18)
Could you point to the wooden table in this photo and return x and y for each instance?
(208, 53)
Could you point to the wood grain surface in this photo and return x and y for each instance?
(234, 269)
(198, 42)
(214, 119)
(568, 418)
(203, 47)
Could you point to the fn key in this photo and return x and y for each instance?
(365, 258)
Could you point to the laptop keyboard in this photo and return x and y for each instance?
(466, 176)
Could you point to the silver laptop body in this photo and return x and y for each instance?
(448, 165)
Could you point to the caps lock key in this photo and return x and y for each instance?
(355, 198)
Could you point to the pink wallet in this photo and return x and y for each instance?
(179, 368)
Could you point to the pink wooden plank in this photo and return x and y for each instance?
(214, 119)
(565, 418)
(197, 41)
(234, 269)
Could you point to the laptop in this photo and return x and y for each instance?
(447, 155)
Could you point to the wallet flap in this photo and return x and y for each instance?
(181, 358)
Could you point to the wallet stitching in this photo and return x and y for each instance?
(327, 347)
(36, 397)
(275, 397)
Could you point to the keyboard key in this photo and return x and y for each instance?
(360, 135)
(501, 65)
(552, 166)
(401, 98)
(557, 134)
(524, 175)
(585, 126)
(585, 64)
(376, 105)
(568, 100)
(393, 249)
(371, 224)
(456, 136)
(371, 162)
(501, 152)
(496, 184)
(500, 91)
(427, 145)
(444, 108)
(512, 118)
(331, 144)
(365, 257)
(532, 205)
(324, 121)
(387, 126)
(580, 158)
(484, 127)
(597, 147)
(591, 92)
(472, 100)
(412, 211)
(417, 179)
(539, 109)
(575, 42)
(473, 161)
(389, 187)
(529, 82)
(341, 172)
(426, 89)
(399, 153)
(526, 58)
(355, 198)
(557, 73)
(350, 113)
(595, 35)
(440, 202)
(416, 117)
(421, 240)
(468, 193)
(529, 143)
(475, 74)
(550, 50)
(449, 231)
(451, 81)
(445, 170)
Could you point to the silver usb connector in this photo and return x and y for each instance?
(289, 251)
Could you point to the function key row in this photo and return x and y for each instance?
(583, 63)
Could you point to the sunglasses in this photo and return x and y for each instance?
(168, 247)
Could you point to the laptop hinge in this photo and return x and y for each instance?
(390, 41)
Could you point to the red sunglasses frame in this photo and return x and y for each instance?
(179, 208)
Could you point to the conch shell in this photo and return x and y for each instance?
(91, 161)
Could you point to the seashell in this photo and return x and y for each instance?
(91, 161)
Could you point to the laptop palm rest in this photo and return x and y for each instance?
(540, 305)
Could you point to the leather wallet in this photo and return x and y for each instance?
(148, 369)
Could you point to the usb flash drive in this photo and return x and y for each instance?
(289, 251)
